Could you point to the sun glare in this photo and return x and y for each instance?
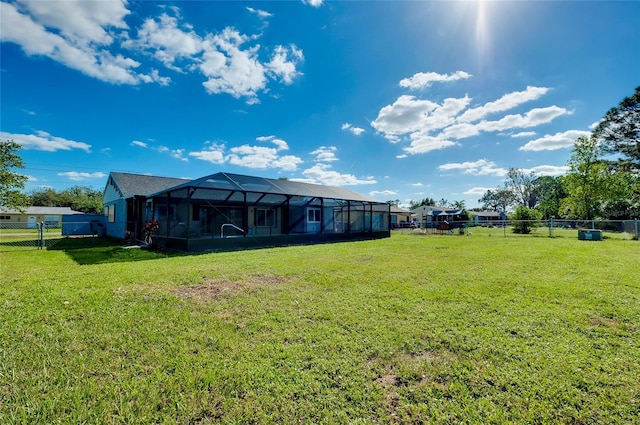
(482, 29)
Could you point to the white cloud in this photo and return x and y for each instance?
(283, 63)
(355, 130)
(79, 176)
(425, 79)
(424, 144)
(230, 69)
(417, 184)
(252, 156)
(178, 154)
(325, 154)
(524, 134)
(554, 142)
(261, 157)
(376, 193)
(213, 154)
(430, 126)
(548, 170)
(481, 167)
(78, 18)
(174, 153)
(281, 145)
(404, 116)
(322, 173)
(83, 34)
(261, 13)
(314, 3)
(532, 118)
(506, 102)
(287, 162)
(43, 141)
(460, 131)
(416, 118)
(166, 41)
(75, 33)
(477, 191)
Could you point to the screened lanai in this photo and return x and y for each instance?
(231, 210)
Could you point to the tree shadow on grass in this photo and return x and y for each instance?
(91, 250)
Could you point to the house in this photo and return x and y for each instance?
(429, 216)
(486, 218)
(125, 201)
(31, 216)
(230, 211)
(401, 218)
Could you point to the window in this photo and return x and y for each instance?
(110, 212)
(5, 217)
(313, 215)
(265, 217)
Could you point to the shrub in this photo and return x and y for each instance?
(525, 219)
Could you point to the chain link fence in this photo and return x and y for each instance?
(15, 236)
(579, 229)
(21, 236)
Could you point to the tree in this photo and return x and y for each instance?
(11, 183)
(619, 132)
(47, 197)
(421, 203)
(525, 219)
(550, 191)
(459, 205)
(523, 187)
(394, 203)
(78, 198)
(588, 181)
(497, 200)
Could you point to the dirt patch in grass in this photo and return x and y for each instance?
(363, 260)
(215, 288)
(605, 322)
(396, 384)
(391, 379)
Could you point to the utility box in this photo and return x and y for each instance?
(589, 235)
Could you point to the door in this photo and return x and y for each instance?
(31, 222)
(314, 218)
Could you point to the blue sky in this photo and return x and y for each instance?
(399, 100)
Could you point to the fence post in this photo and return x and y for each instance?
(635, 228)
(40, 235)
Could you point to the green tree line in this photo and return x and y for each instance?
(12, 196)
(603, 180)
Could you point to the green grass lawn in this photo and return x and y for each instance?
(410, 329)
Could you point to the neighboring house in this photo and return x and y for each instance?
(401, 218)
(485, 218)
(29, 219)
(226, 210)
(429, 216)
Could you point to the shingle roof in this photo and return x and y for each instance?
(141, 184)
